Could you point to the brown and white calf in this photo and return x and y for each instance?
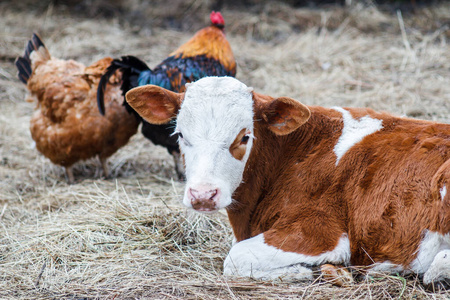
(307, 185)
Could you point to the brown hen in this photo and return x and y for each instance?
(66, 124)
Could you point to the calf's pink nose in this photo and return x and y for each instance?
(203, 194)
(204, 199)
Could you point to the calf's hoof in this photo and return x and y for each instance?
(339, 276)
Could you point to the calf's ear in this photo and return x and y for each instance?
(155, 104)
(282, 115)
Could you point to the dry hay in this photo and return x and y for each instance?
(129, 237)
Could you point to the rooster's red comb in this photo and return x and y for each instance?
(217, 19)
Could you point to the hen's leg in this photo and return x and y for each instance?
(69, 173)
(104, 164)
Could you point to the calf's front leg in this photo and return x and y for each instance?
(256, 259)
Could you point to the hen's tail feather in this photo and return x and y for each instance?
(23, 63)
(102, 86)
(24, 67)
(34, 44)
(130, 65)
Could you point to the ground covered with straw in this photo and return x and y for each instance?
(129, 236)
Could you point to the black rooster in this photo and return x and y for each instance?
(207, 53)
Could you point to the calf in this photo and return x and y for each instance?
(307, 185)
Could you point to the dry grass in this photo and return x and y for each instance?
(129, 237)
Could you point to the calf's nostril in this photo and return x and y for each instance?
(194, 193)
(213, 193)
(206, 194)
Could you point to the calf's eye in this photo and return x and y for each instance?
(239, 146)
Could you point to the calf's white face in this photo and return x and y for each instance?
(215, 127)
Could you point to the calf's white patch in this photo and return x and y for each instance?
(439, 269)
(430, 246)
(254, 258)
(384, 267)
(354, 131)
(443, 191)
